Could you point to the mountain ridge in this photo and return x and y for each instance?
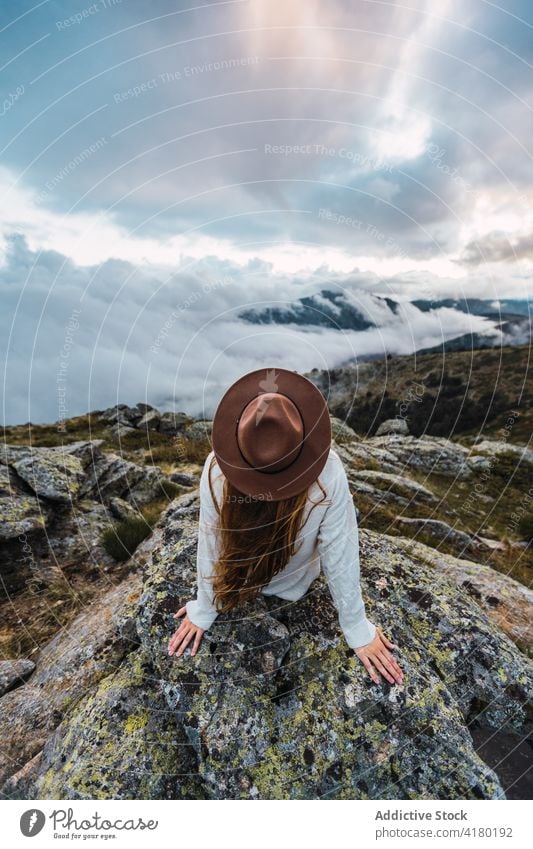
(346, 309)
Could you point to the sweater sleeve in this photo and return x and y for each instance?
(338, 544)
(201, 611)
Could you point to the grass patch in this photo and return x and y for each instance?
(439, 410)
(165, 452)
(171, 489)
(362, 463)
(525, 526)
(140, 446)
(49, 435)
(193, 450)
(151, 512)
(163, 448)
(47, 605)
(375, 516)
(121, 540)
(461, 507)
(148, 440)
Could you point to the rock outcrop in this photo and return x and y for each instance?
(437, 530)
(341, 432)
(20, 512)
(384, 486)
(13, 673)
(52, 474)
(172, 423)
(398, 425)
(68, 667)
(150, 421)
(275, 705)
(123, 420)
(56, 502)
(397, 454)
(109, 475)
(507, 602)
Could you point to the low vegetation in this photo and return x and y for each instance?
(121, 539)
(526, 526)
(459, 394)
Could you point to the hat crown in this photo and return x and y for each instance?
(270, 432)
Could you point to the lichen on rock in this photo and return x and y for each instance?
(275, 705)
(54, 475)
(121, 743)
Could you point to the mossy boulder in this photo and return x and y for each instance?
(52, 474)
(20, 513)
(276, 706)
(67, 668)
(13, 673)
(121, 743)
(341, 432)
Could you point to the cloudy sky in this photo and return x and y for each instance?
(166, 165)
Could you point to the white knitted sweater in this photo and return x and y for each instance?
(328, 539)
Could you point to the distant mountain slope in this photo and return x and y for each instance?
(514, 333)
(512, 317)
(461, 393)
(502, 309)
(325, 309)
(507, 322)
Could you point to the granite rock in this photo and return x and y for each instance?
(69, 666)
(276, 706)
(13, 673)
(398, 425)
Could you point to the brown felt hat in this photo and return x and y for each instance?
(272, 433)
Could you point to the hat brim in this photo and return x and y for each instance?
(272, 486)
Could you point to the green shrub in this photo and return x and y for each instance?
(525, 527)
(121, 540)
(170, 488)
(163, 453)
(146, 439)
(152, 511)
(192, 450)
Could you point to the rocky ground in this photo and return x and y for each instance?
(274, 705)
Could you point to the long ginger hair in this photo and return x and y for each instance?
(257, 539)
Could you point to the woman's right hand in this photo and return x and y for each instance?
(186, 632)
(376, 656)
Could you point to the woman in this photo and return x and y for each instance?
(275, 509)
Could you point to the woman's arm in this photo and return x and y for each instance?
(338, 544)
(200, 612)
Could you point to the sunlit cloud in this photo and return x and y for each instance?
(268, 150)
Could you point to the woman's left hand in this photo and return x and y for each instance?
(376, 656)
(186, 632)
